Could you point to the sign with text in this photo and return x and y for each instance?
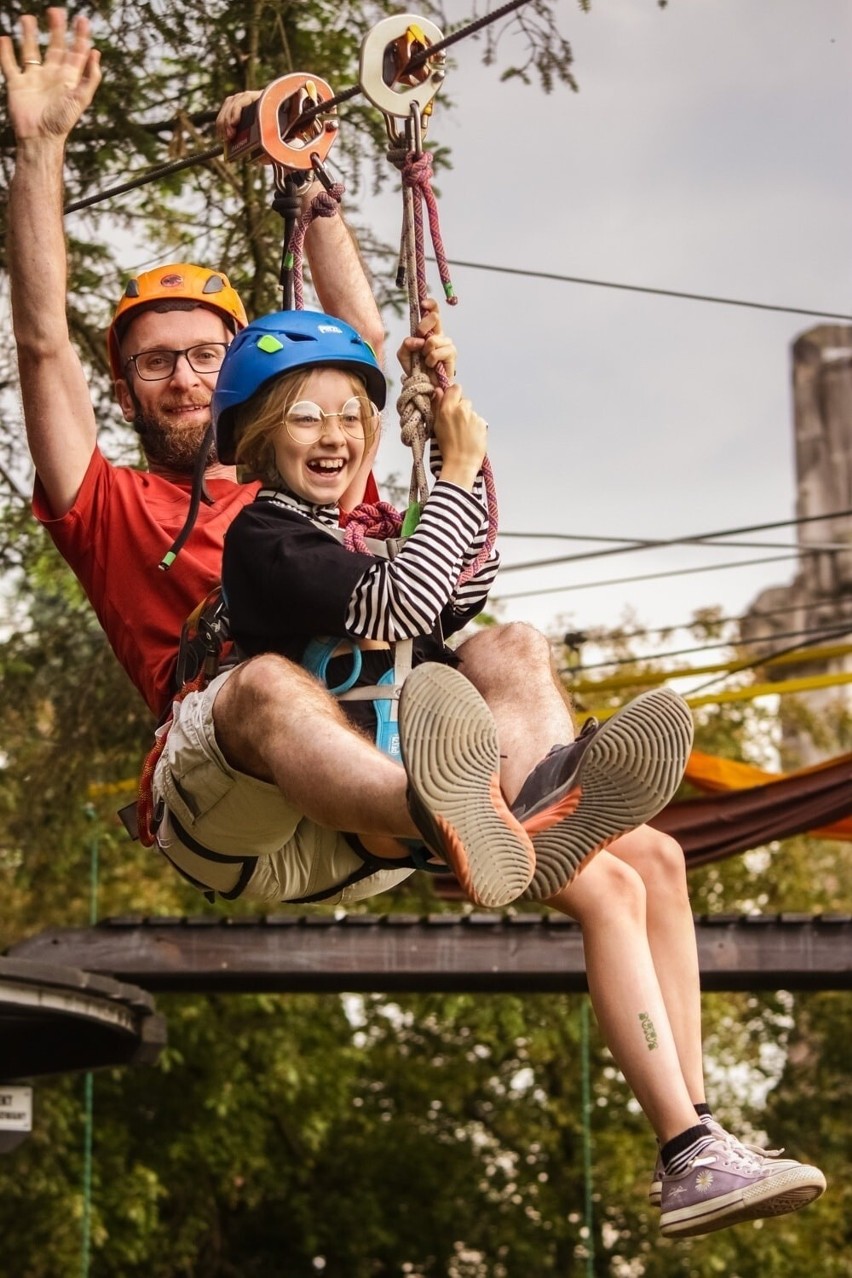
(16, 1109)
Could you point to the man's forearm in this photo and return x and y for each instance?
(36, 253)
(340, 279)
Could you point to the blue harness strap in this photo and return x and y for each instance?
(387, 723)
(317, 655)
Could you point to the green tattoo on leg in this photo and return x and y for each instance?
(649, 1031)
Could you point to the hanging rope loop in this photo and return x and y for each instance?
(416, 173)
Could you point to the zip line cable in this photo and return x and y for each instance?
(647, 576)
(655, 543)
(319, 108)
(654, 292)
(162, 170)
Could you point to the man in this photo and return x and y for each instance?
(75, 492)
(273, 728)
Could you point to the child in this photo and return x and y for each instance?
(297, 405)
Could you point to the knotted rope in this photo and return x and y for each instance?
(416, 173)
(415, 401)
(379, 520)
(326, 203)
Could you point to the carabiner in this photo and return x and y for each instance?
(272, 128)
(385, 77)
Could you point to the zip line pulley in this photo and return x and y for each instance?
(272, 130)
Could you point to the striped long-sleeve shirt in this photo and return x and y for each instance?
(287, 578)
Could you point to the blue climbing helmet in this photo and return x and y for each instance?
(284, 342)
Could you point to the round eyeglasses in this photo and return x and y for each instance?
(305, 421)
(156, 366)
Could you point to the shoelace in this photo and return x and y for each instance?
(753, 1149)
(742, 1157)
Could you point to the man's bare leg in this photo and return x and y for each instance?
(274, 721)
(277, 723)
(512, 668)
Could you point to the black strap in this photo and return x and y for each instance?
(248, 862)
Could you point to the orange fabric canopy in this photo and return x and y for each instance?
(740, 814)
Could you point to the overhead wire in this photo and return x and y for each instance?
(601, 636)
(628, 545)
(647, 576)
(655, 292)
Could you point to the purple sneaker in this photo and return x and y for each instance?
(773, 1156)
(725, 1185)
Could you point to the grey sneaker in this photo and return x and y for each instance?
(452, 760)
(612, 778)
(724, 1186)
(773, 1156)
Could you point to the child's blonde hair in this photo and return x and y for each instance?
(258, 420)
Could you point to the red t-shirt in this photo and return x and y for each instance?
(115, 535)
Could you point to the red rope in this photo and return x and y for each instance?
(416, 171)
(370, 519)
(325, 203)
(417, 174)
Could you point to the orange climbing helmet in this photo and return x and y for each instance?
(181, 282)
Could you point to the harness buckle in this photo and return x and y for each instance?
(399, 90)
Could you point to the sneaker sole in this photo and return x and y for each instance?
(452, 759)
(775, 1196)
(627, 775)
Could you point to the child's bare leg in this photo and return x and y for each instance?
(659, 861)
(607, 897)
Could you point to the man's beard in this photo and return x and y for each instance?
(175, 450)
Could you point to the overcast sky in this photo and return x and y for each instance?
(707, 151)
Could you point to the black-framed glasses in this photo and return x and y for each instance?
(305, 421)
(157, 365)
